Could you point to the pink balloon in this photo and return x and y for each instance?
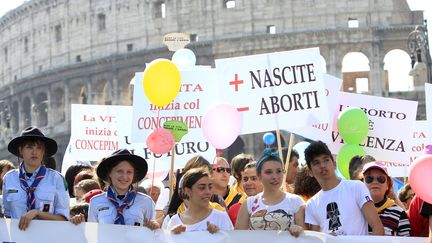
(420, 177)
(221, 125)
(160, 141)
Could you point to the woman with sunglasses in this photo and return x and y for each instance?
(379, 183)
(272, 209)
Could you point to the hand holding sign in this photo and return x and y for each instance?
(221, 125)
(177, 128)
(161, 82)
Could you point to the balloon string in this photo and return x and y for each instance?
(218, 154)
(154, 160)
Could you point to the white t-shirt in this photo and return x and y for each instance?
(273, 217)
(339, 210)
(216, 217)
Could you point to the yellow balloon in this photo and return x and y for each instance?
(161, 82)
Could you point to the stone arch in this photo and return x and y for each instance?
(58, 106)
(397, 64)
(40, 109)
(78, 92)
(107, 94)
(26, 112)
(125, 88)
(83, 95)
(355, 72)
(103, 93)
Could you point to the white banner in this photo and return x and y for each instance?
(416, 144)
(391, 121)
(42, 231)
(281, 90)
(323, 131)
(197, 93)
(99, 130)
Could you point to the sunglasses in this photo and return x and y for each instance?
(222, 170)
(370, 179)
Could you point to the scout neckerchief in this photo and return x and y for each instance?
(130, 196)
(31, 189)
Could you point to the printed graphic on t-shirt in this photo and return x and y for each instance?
(333, 217)
(274, 220)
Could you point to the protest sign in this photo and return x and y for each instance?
(66, 232)
(391, 121)
(386, 115)
(196, 94)
(281, 90)
(97, 131)
(323, 131)
(416, 144)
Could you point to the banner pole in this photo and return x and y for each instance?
(171, 173)
(279, 143)
(290, 145)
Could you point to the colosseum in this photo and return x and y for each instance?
(55, 53)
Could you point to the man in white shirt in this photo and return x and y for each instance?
(342, 207)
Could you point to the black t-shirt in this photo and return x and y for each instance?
(426, 210)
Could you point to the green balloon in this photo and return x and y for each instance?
(177, 128)
(346, 153)
(353, 125)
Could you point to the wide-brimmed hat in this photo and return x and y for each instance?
(139, 163)
(33, 133)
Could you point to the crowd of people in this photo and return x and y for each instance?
(262, 197)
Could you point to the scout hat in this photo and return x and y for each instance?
(139, 163)
(33, 133)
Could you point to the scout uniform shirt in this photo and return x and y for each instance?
(51, 195)
(103, 211)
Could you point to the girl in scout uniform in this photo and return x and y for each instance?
(33, 191)
(121, 203)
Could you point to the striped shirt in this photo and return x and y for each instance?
(393, 218)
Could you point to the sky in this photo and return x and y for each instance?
(399, 80)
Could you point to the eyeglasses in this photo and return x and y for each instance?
(380, 179)
(222, 170)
